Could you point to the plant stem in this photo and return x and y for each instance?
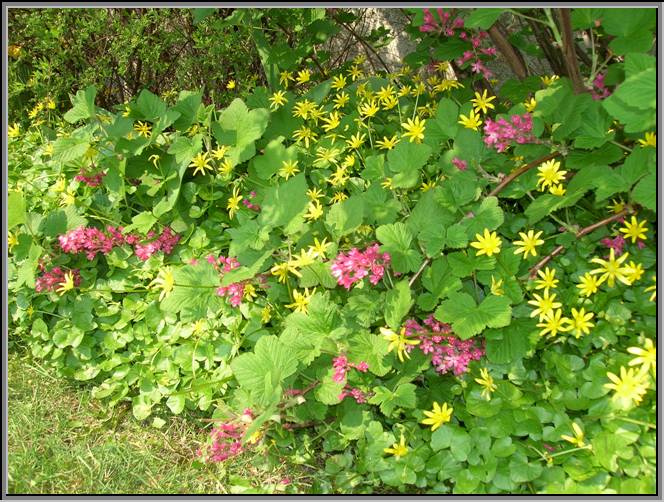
(417, 274)
(518, 172)
(637, 422)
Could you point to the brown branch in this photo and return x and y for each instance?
(569, 51)
(578, 235)
(518, 172)
(543, 38)
(367, 47)
(417, 274)
(512, 55)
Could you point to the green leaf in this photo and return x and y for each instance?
(403, 396)
(468, 319)
(450, 48)
(405, 161)
(483, 18)
(607, 447)
(439, 281)
(398, 302)
(444, 125)
(71, 148)
(508, 346)
(195, 289)
(142, 222)
(370, 348)
(460, 189)
(175, 403)
(15, 209)
(141, 407)
(83, 105)
(453, 437)
(345, 217)
(284, 203)
(188, 105)
(271, 361)
(317, 274)
(645, 192)
(396, 240)
(252, 262)
(241, 126)
(639, 90)
(269, 163)
(150, 106)
(488, 216)
(463, 264)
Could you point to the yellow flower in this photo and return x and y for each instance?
(546, 80)
(578, 439)
(332, 122)
(548, 280)
(12, 240)
(288, 169)
(303, 108)
(48, 149)
(385, 92)
(489, 244)
(199, 327)
(284, 77)
(531, 104)
(319, 248)
(305, 134)
(340, 100)
(647, 356)
(428, 186)
(398, 342)
(67, 284)
(558, 190)
(487, 383)
(143, 128)
(580, 323)
(355, 73)
(630, 386)
(249, 292)
(338, 197)
(230, 85)
(549, 174)
(387, 143)
(442, 66)
(164, 281)
(14, 51)
(553, 323)
(611, 269)
(545, 305)
(234, 202)
(414, 129)
(304, 259)
(389, 102)
(35, 111)
(277, 100)
(13, 131)
(438, 416)
(282, 270)
(387, 184)
(398, 449)
(369, 109)
(68, 198)
(356, 140)
(314, 194)
(633, 271)
(652, 288)
(472, 121)
(616, 206)
(528, 243)
(226, 167)
(303, 76)
(650, 139)
(589, 284)
(201, 162)
(635, 230)
(266, 314)
(482, 103)
(497, 287)
(338, 82)
(404, 91)
(301, 300)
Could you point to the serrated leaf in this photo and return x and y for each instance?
(468, 319)
(645, 192)
(270, 359)
(398, 302)
(195, 289)
(284, 203)
(243, 127)
(405, 161)
(370, 348)
(83, 105)
(403, 396)
(15, 209)
(483, 18)
(439, 280)
(150, 106)
(345, 217)
(488, 216)
(396, 240)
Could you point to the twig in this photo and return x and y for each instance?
(417, 274)
(569, 51)
(579, 234)
(366, 45)
(515, 174)
(512, 56)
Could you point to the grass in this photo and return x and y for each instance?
(60, 440)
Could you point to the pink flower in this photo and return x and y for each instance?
(54, 278)
(352, 267)
(500, 133)
(92, 180)
(462, 165)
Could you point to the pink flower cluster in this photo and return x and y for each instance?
(235, 291)
(617, 244)
(599, 90)
(448, 26)
(357, 394)
(92, 180)
(355, 265)
(448, 353)
(91, 241)
(249, 205)
(500, 133)
(227, 440)
(461, 165)
(52, 279)
(341, 365)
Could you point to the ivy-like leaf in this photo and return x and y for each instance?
(468, 319)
